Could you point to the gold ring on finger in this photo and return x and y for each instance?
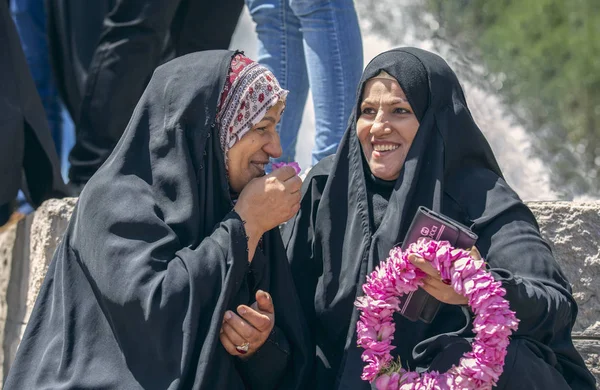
(243, 349)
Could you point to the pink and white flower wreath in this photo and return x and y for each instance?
(493, 323)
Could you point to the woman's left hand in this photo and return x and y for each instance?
(432, 283)
(242, 335)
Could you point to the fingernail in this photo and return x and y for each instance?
(242, 310)
(228, 315)
(266, 295)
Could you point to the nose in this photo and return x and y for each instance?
(273, 147)
(380, 124)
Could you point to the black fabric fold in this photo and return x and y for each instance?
(450, 168)
(153, 257)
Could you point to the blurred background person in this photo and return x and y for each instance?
(29, 17)
(314, 44)
(28, 158)
(30, 20)
(101, 87)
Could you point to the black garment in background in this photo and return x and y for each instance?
(74, 29)
(136, 36)
(450, 168)
(28, 158)
(135, 294)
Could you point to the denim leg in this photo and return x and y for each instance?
(30, 20)
(334, 58)
(280, 49)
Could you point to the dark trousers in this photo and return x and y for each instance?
(137, 36)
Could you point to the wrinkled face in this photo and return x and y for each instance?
(386, 126)
(247, 158)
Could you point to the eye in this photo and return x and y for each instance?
(260, 130)
(401, 110)
(367, 111)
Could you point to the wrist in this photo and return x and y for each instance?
(253, 232)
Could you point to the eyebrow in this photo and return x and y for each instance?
(391, 101)
(269, 118)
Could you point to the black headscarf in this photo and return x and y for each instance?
(450, 168)
(28, 158)
(153, 256)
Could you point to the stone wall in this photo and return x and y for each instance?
(573, 230)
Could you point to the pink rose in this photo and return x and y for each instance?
(382, 382)
(292, 164)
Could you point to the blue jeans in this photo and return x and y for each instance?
(314, 43)
(30, 19)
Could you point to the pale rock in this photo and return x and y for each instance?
(49, 223)
(573, 232)
(7, 246)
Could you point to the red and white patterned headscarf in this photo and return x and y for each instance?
(250, 91)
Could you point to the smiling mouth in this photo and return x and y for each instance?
(382, 148)
(260, 166)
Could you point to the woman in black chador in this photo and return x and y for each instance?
(412, 142)
(172, 273)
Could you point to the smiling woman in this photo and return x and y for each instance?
(412, 142)
(172, 273)
(247, 159)
(386, 126)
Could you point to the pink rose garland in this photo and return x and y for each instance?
(493, 324)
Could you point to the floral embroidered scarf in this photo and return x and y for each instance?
(250, 91)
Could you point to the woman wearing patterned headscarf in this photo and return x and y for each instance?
(172, 273)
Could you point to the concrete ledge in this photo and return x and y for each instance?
(572, 229)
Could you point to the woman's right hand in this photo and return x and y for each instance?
(269, 201)
(433, 283)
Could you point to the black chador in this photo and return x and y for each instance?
(349, 220)
(135, 295)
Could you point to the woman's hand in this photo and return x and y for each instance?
(250, 329)
(433, 284)
(269, 201)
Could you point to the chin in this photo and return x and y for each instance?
(238, 185)
(246, 182)
(384, 173)
(385, 177)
